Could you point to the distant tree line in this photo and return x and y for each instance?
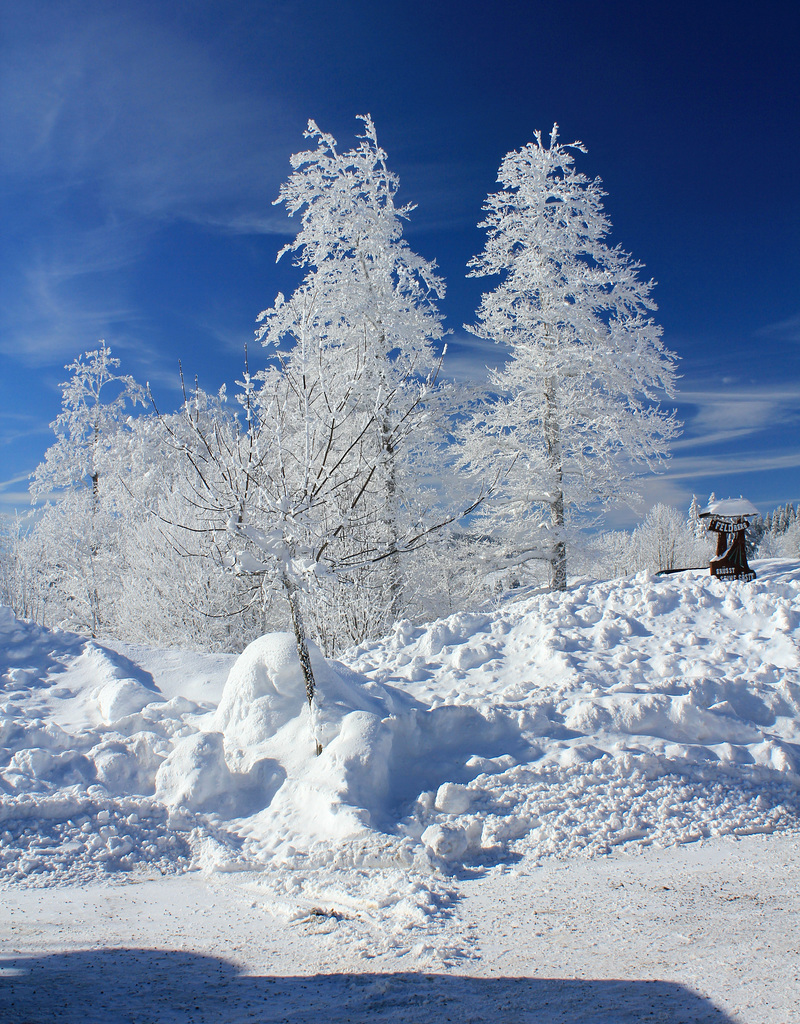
(777, 534)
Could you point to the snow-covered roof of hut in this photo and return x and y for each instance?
(730, 507)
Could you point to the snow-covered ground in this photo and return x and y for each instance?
(578, 807)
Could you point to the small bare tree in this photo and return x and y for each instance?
(287, 491)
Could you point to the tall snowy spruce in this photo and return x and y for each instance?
(362, 324)
(574, 414)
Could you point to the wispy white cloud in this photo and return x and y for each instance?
(788, 330)
(653, 489)
(12, 498)
(143, 113)
(14, 480)
(469, 359)
(14, 501)
(16, 416)
(734, 434)
(118, 120)
(55, 312)
(13, 436)
(725, 414)
(732, 464)
(684, 476)
(245, 222)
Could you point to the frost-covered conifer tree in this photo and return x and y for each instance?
(778, 521)
(575, 412)
(363, 322)
(780, 536)
(696, 523)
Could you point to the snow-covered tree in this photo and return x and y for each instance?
(363, 323)
(171, 589)
(92, 406)
(664, 541)
(574, 414)
(753, 535)
(80, 520)
(696, 523)
(611, 555)
(26, 577)
(283, 493)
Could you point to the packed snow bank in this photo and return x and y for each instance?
(657, 710)
(619, 714)
(83, 731)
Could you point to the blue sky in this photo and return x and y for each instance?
(142, 144)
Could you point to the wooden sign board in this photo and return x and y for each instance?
(730, 561)
(726, 526)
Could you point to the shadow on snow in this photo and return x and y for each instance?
(140, 985)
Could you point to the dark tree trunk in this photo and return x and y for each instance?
(390, 521)
(303, 654)
(552, 433)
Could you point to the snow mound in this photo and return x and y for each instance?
(196, 776)
(377, 744)
(121, 698)
(686, 682)
(83, 732)
(264, 689)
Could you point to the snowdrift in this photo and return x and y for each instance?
(618, 715)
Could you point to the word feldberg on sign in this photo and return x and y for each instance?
(728, 519)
